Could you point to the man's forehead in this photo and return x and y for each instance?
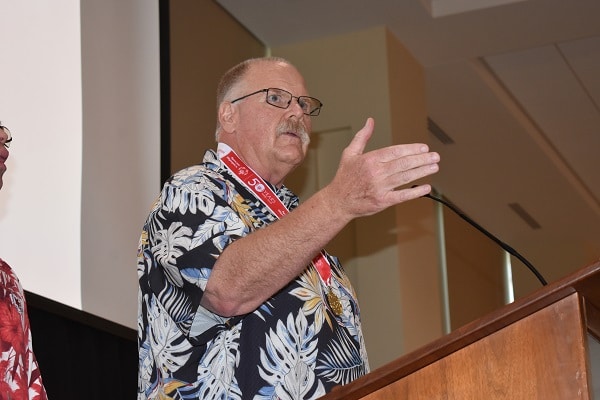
(275, 74)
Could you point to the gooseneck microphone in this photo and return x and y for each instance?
(488, 234)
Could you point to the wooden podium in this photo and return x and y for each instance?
(534, 348)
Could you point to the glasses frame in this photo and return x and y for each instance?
(312, 113)
(10, 138)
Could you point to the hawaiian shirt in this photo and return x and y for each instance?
(292, 347)
(21, 379)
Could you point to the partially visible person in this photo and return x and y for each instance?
(19, 371)
(5, 140)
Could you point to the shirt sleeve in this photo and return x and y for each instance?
(187, 232)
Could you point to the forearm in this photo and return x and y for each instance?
(255, 267)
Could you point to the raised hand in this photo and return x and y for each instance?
(367, 183)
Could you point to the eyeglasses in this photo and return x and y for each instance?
(282, 99)
(9, 138)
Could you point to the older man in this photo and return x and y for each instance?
(238, 299)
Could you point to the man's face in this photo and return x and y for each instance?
(271, 138)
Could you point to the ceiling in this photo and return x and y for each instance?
(515, 85)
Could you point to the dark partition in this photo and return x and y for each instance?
(82, 356)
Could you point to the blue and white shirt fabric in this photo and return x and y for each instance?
(292, 347)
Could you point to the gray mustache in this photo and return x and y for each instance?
(297, 127)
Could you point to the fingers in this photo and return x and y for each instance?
(400, 196)
(400, 151)
(403, 170)
(404, 178)
(359, 142)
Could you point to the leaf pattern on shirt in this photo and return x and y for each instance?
(288, 359)
(217, 372)
(170, 354)
(310, 292)
(337, 366)
(169, 244)
(222, 222)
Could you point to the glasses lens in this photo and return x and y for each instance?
(310, 105)
(279, 98)
(8, 136)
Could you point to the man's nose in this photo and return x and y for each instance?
(296, 107)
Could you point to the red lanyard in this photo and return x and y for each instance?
(260, 189)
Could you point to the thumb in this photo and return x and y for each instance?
(359, 142)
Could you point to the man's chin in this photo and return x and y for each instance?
(293, 157)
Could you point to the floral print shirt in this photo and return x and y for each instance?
(292, 347)
(19, 370)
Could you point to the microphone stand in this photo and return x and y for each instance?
(489, 235)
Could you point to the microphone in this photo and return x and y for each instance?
(506, 247)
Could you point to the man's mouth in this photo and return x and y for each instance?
(296, 130)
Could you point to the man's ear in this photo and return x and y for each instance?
(227, 116)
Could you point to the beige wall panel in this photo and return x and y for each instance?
(205, 42)
(418, 253)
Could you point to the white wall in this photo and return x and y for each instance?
(40, 102)
(121, 161)
(84, 109)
